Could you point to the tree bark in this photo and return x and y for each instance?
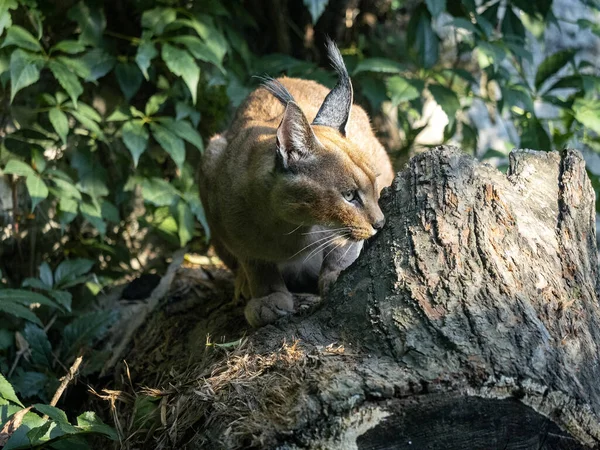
(470, 321)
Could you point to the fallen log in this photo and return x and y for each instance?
(470, 321)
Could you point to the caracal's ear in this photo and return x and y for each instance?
(295, 137)
(335, 110)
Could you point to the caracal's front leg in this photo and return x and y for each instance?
(336, 261)
(271, 299)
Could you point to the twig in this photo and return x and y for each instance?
(65, 382)
(151, 303)
(50, 323)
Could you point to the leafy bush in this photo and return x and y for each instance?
(51, 429)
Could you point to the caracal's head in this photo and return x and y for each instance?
(321, 177)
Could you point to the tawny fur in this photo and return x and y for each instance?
(261, 219)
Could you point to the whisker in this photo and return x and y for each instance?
(323, 246)
(309, 245)
(294, 230)
(328, 231)
(333, 250)
(345, 253)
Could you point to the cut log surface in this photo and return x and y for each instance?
(470, 321)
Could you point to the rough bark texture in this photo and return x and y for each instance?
(471, 321)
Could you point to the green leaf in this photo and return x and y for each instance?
(64, 298)
(60, 122)
(436, 7)
(38, 191)
(129, 78)
(158, 18)
(512, 25)
(91, 22)
(57, 173)
(159, 192)
(99, 63)
(447, 99)
(77, 65)
(145, 54)
(19, 439)
(20, 37)
(401, 90)
(71, 47)
(587, 112)
(378, 65)
(214, 39)
(39, 345)
(567, 82)
(67, 189)
(516, 95)
(16, 167)
(183, 110)
(5, 19)
(154, 103)
(539, 8)
(92, 176)
(7, 392)
(67, 79)
(29, 383)
(423, 41)
(135, 137)
(110, 212)
(20, 311)
(534, 135)
(24, 297)
(40, 434)
(170, 143)
(316, 8)
(185, 223)
(35, 283)
(7, 339)
(6, 411)
(84, 278)
(46, 274)
(70, 269)
(146, 410)
(84, 330)
(185, 131)
(182, 64)
(90, 422)
(89, 124)
(24, 70)
(461, 22)
(73, 442)
(551, 65)
(67, 210)
(193, 201)
(119, 114)
(53, 412)
(38, 162)
(201, 50)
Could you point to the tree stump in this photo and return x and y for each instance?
(470, 321)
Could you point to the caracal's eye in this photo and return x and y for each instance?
(350, 195)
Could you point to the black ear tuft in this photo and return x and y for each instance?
(295, 137)
(278, 90)
(335, 110)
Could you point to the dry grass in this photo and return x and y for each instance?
(235, 397)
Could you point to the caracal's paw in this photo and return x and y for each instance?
(264, 310)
